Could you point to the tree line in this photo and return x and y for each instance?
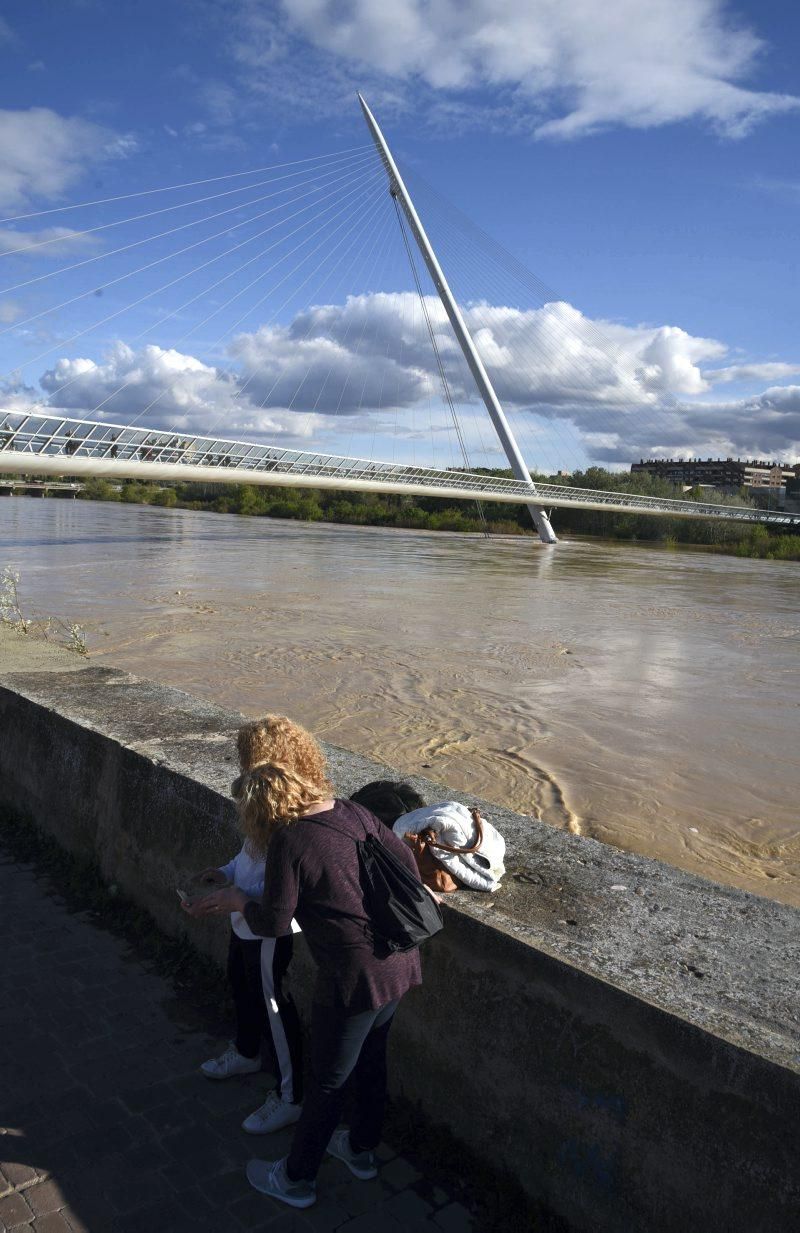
(415, 512)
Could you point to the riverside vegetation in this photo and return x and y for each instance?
(437, 514)
(51, 628)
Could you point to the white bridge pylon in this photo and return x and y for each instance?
(36, 444)
(459, 325)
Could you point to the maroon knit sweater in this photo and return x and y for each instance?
(313, 876)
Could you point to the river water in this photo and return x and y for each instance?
(647, 698)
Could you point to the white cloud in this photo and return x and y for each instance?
(373, 351)
(366, 366)
(770, 371)
(161, 388)
(46, 242)
(563, 67)
(10, 311)
(42, 154)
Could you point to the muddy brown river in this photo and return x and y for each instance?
(644, 697)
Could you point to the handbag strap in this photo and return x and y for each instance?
(448, 847)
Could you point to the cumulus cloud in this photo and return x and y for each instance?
(367, 366)
(42, 153)
(161, 388)
(373, 351)
(569, 67)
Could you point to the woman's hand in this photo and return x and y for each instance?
(211, 877)
(228, 899)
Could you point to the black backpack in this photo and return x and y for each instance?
(402, 912)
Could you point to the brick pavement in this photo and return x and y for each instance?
(107, 1127)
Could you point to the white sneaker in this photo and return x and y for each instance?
(270, 1177)
(361, 1164)
(231, 1062)
(274, 1114)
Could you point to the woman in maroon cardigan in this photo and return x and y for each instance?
(313, 875)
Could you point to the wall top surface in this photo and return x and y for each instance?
(719, 958)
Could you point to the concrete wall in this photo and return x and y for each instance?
(563, 1032)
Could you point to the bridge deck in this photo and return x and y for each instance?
(32, 443)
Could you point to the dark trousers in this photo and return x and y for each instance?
(342, 1044)
(264, 1007)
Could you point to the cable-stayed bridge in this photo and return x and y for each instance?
(36, 444)
(40, 440)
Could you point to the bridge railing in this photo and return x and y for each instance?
(61, 438)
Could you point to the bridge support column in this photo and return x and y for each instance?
(543, 525)
(492, 403)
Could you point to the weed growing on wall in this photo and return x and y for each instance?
(50, 628)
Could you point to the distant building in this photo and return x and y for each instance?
(727, 474)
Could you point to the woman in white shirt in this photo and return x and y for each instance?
(256, 972)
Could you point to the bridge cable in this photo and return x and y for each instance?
(79, 334)
(442, 374)
(69, 236)
(650, 415)
(372, 199)
(194, 222)
(228, 368)
(198, 324)
(169, 188)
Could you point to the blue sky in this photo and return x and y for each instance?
(640, 158)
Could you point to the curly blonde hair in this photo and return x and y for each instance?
(283, 772)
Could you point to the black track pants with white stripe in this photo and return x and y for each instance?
(265, 1009)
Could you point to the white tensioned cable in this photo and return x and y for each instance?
(137, 218)
(556, 423)
(478, 317)
(528, 357)
(431, 335)
(592, 332)
(456, 260)
(228, 369)
(281, 240)
(265, 400)
(537, 445)
(371, 259)
(316, 201)
(343, 255)
(385, 252)
(439, 362)
(385, 241)
(126, 308)
(385, 234)
(160, 235)
(474, 410)
(353, 234)
(360, 409)
(346, 383)
(535, 360)
(230, 328)
(170, 188)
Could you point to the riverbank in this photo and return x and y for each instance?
(656, 1012)
(421, 513)
(641, 697)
